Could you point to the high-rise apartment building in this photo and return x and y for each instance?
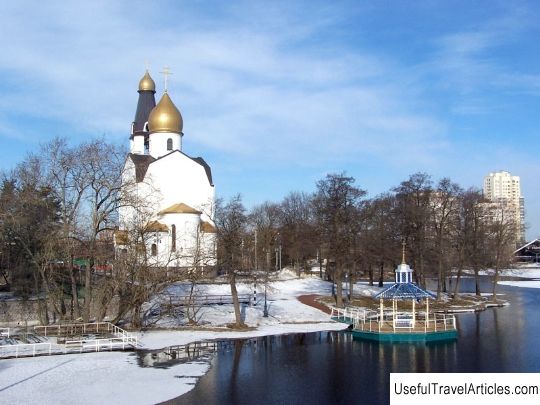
(502, 187)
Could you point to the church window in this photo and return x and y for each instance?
(154, 249)
(146, 126)
(173, 236)
(169, 144)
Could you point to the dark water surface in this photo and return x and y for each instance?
(332, 368)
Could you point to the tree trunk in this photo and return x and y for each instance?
(477, 282)
(88, 290)
(495, 281)
(381, 274)
(75, 308)
(370, 274)
(458, 279)
(234, 293)
(43, 313)
(351, 282)
(338, 279)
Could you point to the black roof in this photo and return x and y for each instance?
(143, 161)
(207, 169)
(146, 103)
(141, 165)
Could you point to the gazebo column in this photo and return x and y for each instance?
(427, 312)
(394, 309)
(413, 312)
(381, 310)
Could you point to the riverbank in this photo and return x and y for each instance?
(117, 377)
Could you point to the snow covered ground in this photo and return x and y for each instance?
(527, 271)
(117, 378)
(97, 378)
(531, 271)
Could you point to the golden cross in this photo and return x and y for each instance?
(403, 252)
(147, 65)
(166, 72)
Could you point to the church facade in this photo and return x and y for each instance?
(168, 197)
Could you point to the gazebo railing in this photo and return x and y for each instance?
(404, 322)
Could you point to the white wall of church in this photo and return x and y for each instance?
(158, 143)
(192, 247)
(138, 199)
(171, 180)
(178, 179)
(137, 144)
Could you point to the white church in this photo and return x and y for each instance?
(168, 196)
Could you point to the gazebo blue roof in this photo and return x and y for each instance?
(404, 291)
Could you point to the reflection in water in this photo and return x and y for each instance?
(173, 355)
(331, 367)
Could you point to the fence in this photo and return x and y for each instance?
(25, 349)
(208, 299)
(75, 329)
(4, 332)
(369, 320)
(120, 339)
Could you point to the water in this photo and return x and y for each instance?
(332, 368)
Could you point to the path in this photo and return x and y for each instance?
(310, 300)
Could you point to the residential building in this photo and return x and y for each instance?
(502, 187)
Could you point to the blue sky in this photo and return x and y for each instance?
(275, 95)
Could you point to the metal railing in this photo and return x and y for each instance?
(405, 323)
(25, 349)
(71, 329)
(84, 345)
(207, 299)
(120, 339)
(4, 332)
(353, 315)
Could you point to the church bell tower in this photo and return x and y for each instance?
(139, 128)
(165, 126)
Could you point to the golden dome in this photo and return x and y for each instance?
(147, 83)
(165, 117)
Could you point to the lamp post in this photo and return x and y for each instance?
(265, 309)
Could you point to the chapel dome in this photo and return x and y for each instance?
(165, 117)
(147, 83)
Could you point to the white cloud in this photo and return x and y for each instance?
(242, 88)
(259, 82)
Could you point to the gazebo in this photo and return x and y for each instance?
(399, 325)
(404, 290)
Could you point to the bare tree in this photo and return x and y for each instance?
(413, 212)
(336, 205)
(298, 229)
(231, 225)
(503, 229)
(64, 173)
(444, 215)
(381, 236)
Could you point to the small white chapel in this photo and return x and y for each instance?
(169, 195)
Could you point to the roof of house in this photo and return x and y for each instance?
(141, 163)
(121, 237)
(179, 208)
(527, 245)
(208, 227)
(404, 291)
(155, 226)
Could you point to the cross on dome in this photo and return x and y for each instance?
(166, 73)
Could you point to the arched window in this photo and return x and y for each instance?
(169, 144)
(173, 236)
(145, 126)
(154, 249)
